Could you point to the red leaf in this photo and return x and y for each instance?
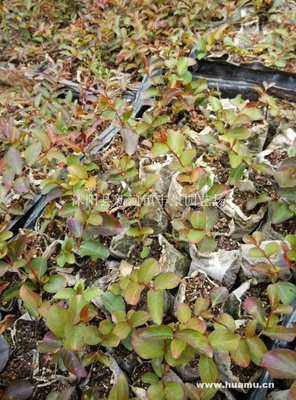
(280, 363)
(110, 227)
(20, 389)
(72, 363)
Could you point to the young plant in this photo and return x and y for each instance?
(70, 332)
(196, 226)
(281, 202)
(138, 195)
(268, 267)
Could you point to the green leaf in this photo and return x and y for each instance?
(239, 133)
(224, 340)
(241, 356)
(120, 391)
(102, 358)
(42, 137)
(195, 393)
(215, 103)
(173, 391)
(94, 249)
(55, 283)
(155, 392)
(183, 313)
(283, 309)
(195, 236)
(56, 155)
(122, 330)
(119, 316)
(253, 113)
(182, 65)
(156, 332)
(281, 213)
(257, 349)
(5, 235)
(133, 292)
(207, 245)
(184, 358)
(67, 293)
(201, 304)
(292, 240)
(225, 321)
(280, 363)
(138, 318)
(95, 219)
(250, 329)
(236, 174)
(92, 336)
(157, 366)
(207, 369)
(280, 333)
(187, 78)
(291, 254)
(74, 336)
(135, 232)
(149, 377)
(286, 291)
(14, 160)
(215, 193)
(56, 319)
(177, 347)
(198, 219)
(110, 340)
(196, 340)
(187, 156)
(148, 269)
(151, 92)
(160, 120)
(235, 159)
(91, 293)
(159, 148)
(166, 280)
(292, 391)
(150, 181)
(77, 170)
(113, 302)
(256, 252)
(272, 296)
(155, 305)
(175, 141)
(147, 348)
(32, 153)
(74, 310)
(39, 265)
(288, 193)
(272, 248)
(264, 168)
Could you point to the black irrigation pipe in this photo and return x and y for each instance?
(243, 78)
